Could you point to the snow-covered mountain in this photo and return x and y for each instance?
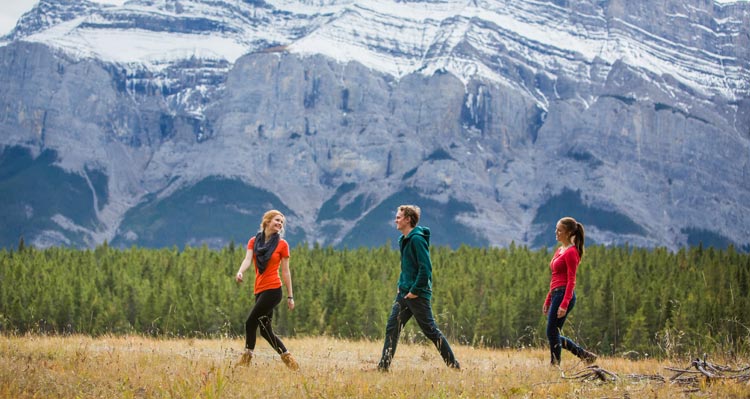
(699, 44)
(501, 115)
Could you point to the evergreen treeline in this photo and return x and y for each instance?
(651, 301)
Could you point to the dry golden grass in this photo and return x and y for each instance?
(137, 367)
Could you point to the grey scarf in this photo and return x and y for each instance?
(263, 250)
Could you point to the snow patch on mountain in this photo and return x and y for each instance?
(138, 46)
(395, 38)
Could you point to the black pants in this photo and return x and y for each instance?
(403, 310)
(261, 316)
(557, 341)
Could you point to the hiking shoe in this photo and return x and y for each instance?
(588, 357)
(289, 361)
(246, 358)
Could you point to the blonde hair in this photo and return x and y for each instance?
(268, 217)
(412, 212)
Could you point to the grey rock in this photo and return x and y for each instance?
(640, 155)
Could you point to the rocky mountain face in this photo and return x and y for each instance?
(162, 123)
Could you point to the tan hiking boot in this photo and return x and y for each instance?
(588, 357)
(246, 358)
(289, 361)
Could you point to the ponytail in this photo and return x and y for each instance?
(580, 238)
(576, 231)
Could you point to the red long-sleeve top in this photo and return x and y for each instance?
(564, 265)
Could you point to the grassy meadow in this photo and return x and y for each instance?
(34, 366)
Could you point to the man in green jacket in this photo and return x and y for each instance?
(414, 289)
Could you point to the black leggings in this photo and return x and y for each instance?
(261, 315)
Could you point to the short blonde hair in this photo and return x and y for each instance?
(412, 212)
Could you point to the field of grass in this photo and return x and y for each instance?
(138, 367)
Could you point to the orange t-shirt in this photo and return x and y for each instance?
(270, 278)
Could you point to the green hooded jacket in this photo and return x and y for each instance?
(416, 266)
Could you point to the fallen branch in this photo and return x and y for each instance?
(690, 376)
(592, 373)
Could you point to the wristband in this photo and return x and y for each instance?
(290, 297)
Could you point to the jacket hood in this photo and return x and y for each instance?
(420, 230)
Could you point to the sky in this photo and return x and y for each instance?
(11, 11)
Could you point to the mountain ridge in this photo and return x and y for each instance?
(479, 145)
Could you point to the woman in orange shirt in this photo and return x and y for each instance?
(269, 253)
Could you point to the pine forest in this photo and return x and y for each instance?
(645, 302)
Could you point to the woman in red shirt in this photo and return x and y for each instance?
(269, 253)
(561, 297)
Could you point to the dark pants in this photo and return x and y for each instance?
(421, 309)
(554, 327)
(261, 316)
